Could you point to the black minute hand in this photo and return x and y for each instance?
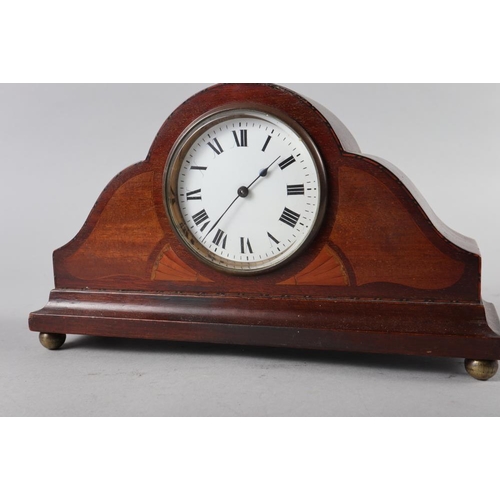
(242, 193)
(219, 219)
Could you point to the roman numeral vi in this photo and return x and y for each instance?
(245, 245)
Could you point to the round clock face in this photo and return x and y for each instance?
(245, 191)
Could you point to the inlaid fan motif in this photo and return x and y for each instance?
(326, 269)
(169, 267)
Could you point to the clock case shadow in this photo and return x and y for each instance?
(391, 362)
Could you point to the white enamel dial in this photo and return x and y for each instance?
(245, 190)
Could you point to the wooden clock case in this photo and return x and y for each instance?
(382, 275)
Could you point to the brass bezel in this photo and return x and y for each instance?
(172, 168)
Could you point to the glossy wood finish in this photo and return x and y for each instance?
(382, 275)
(433, 329)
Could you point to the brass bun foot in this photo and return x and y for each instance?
(52, 341)
(481, 369)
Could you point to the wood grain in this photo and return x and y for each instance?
(170, 268)
(325, 270)
(122, 238)
(382, 240)
(432, 329)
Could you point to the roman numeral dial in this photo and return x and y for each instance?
(194, 195)
(201, 219)
(248, 190)
(220, 238)
(245, 245)
(289, 217)
(241, 138)
(286, 163)
(216, 147)
(295, 189)
(268, 139)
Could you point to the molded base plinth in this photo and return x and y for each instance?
(415, 328)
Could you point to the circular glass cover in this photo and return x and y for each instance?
(245, 190)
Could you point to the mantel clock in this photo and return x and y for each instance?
(256, 220)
